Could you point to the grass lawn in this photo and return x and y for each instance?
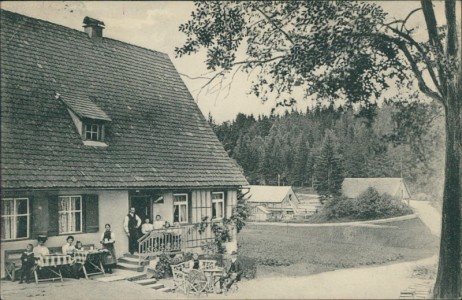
(297, 251)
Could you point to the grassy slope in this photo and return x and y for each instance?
(308, 250)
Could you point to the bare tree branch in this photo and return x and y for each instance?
(393, 22)
(424, 55)
(421, 82)
(408, 16)
(231, 81)
(194, 77)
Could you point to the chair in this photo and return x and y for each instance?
(196, 282)
(180, 277)
(207, 264)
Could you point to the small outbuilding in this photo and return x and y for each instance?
(272, 202)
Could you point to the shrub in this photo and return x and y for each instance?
(163, 267)
(368, 206)
(371, 205)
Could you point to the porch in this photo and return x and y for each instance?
(188, 237)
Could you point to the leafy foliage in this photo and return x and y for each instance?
(222, 230)
(163, 267)
(295, 43)
(369, 205)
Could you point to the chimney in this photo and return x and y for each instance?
(94, 28)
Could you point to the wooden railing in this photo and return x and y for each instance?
(175, 239)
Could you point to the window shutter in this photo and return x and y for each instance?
(226, 214)
(91, 213)
(53, 216)
(190, 211)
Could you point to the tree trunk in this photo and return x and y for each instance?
(449, 279)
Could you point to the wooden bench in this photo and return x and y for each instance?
(13, 260)
(12, 263)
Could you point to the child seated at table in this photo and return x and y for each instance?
(28, 262)
(78, 246)
(195, 261)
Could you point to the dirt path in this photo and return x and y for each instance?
(429, 215)
(385, 282)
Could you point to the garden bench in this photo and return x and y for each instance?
(12, 263)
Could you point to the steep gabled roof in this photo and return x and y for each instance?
(265, 193)
(157, 136)
(353, 187)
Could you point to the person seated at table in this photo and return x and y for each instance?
(27, 263)
(41, 249)
(159, 223)
(68, 248)
(147, 227)
(78, 246)
(233, 274)
(108, 240)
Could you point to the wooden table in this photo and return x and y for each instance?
(211, 274)
(91, 261)
(51, 264)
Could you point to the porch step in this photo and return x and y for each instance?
(166, 290)
(146, 281)
(133, 261)
(156, 286)
(120, 274)
(135, 255)
(131, 267)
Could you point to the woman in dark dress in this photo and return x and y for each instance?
(108, 240)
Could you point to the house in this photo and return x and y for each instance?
(272, 202)
(396, 187)
(91, 126)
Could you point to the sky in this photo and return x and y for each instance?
(154, 25)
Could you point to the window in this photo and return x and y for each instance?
(70, 214)
(93, 132)
(180, 208)
(15, 218)
(218, 205)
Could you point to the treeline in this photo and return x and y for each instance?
(322, 146)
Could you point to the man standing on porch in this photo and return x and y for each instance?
(131, 224)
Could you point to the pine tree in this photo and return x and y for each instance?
(328, 170)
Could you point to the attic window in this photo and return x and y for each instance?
(88, 117)
(94, 132)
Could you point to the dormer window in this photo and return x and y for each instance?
(94, 132)
(89, 119)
